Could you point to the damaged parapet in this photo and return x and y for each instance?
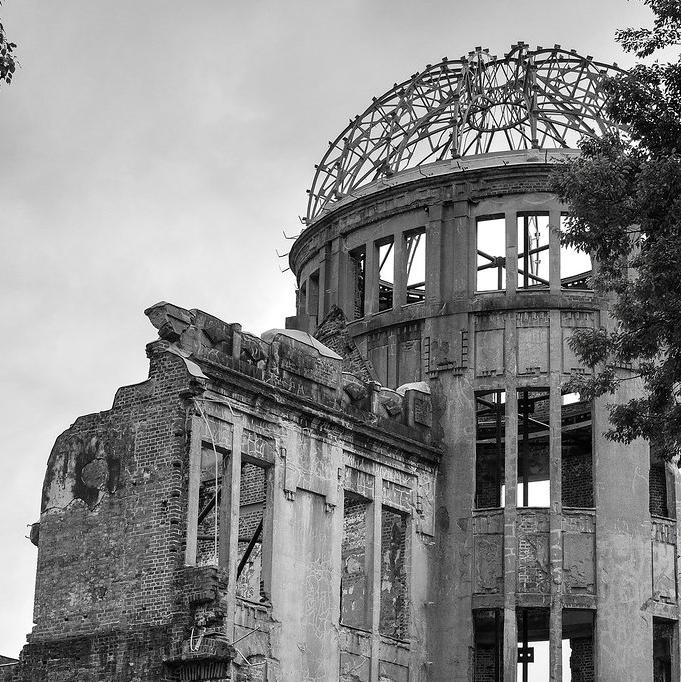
(293, 361)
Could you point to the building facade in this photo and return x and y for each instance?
(401, 486)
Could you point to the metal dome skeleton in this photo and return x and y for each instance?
(541, 98)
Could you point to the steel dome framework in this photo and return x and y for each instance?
(531, 98)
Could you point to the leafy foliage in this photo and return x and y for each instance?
(624, 194)
(8, 62)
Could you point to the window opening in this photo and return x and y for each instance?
(356, 566)
(578, 646)
(661, 497)
(252, 501)
(663, 636)
(416, 265)
(302, 299)
(386, 275)
(488, 637)
(533, 645)
(533, 251)
(394, 616)
(533, 448)
(576, 452)
(358, 279)
(210, 492)
(491, 254)
(490, 411)
(575, 266)
(313, 294)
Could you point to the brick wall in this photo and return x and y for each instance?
(577, 476)
(111, 529)
(657, 479)
(332, 332)
(355, 597)
(251, 500)
(489, 475)
(488, 639)
(484, 669)
(582, 666)
(394, 615)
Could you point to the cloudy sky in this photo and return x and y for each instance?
(155, 150)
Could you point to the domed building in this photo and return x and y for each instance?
(398, 486)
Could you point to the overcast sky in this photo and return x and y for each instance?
(155, 150)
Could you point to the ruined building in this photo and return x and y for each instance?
(397, 487)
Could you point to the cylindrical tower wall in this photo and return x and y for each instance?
(532, 533)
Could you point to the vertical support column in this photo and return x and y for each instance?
(306, 285)
(554, 251)
(393, 359)
(470, 224)
(376, 519)
(229, 519)
(510, 502)
(321, 294)
(511, 252)
(433, 254)
(193, 491)
(400, 270)
(341, 294)
(268, 529)
(676, 501)
(371, 279)
(556, 505)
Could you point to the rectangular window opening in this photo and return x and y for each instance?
(663, 637)
(313, 294)
(394, 611)
(533, 645)
(575, 266)
(356, 563)
(210, 493)
(386, 274)
(491, 254)
(415, 243)
(533, 448)
(490, 411)
(252, 502)
(358, 281)
(302, 299)
(576, 452)
(533, 251)
(578, 645)
(661, 488)
(488, 638)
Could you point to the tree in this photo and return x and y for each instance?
(624, 194)
(8, 63)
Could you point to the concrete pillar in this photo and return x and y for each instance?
(433, 255)
(229, 518)
(321, 294)
(510, 504)
(554, 251)
(371, 279)
(623, 556)
(400, 269)
(555, 505)
(375, 588)
(511, 252)
(340, 290)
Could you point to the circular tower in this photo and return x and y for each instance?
(430, 225)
